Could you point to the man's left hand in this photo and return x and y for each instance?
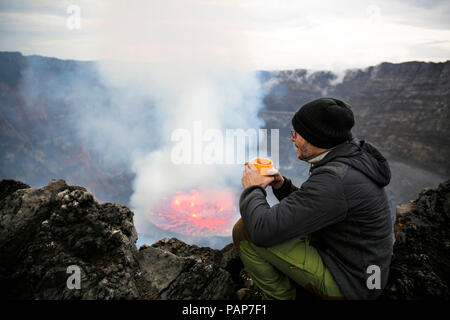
(252, 177)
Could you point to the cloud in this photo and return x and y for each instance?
(261, 34)
(435, 50)
(429, 15)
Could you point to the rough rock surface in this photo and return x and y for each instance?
(420, 268)
(45, 230)
(181, 277)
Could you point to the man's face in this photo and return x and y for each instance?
(304, 148)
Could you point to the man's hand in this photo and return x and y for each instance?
(278, 181)
(252, 177)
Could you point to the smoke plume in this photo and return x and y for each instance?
(164, 76)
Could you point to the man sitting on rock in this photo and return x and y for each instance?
(333, 235)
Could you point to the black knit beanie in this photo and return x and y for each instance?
(325, 122)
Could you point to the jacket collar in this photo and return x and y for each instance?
(346, 149)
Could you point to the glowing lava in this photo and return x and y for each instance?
(196, 213)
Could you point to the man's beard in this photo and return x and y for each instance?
(305, 151)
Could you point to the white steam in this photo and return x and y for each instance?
(169, 75)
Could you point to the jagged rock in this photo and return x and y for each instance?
(421, 262)
(227, 258)
(45, 230)
(205, 272)
(184, 278)
(201, 281)
(8, 186)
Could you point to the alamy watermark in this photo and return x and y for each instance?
(373, 13)
(74, 280)
(74, 19)
(374, 280)
(229, 146)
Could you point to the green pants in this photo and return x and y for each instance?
(273, 269)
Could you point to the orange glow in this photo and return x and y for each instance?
(197, 213)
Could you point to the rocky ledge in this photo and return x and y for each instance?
(420, 267)
(44, 231)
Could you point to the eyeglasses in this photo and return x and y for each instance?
(293, 134)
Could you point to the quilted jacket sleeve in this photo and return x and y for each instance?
(319, 202)
(286, 189)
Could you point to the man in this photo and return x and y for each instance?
(333, 235)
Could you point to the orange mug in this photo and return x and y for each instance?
(264, 166)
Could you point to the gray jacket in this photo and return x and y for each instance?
(344, 209)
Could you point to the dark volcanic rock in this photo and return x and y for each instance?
(45, 230)
(204, 261)
(227, 258)
(420, 267)
(8, 186)
(182, 278)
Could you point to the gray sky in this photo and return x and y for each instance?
(256, 34)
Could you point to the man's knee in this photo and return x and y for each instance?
(240, 233)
